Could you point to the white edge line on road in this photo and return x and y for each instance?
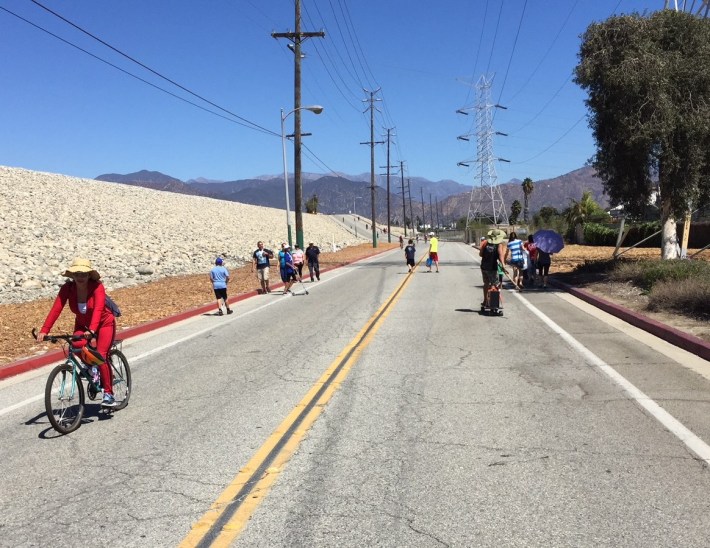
(339, 272)
(693, 442)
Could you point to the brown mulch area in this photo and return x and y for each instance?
(169, 296)
(146, 302)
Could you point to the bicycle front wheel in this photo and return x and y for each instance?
(64, 399)
(121, 378)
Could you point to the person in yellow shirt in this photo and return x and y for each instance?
(433, 251)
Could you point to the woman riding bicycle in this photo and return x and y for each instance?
(87, 300)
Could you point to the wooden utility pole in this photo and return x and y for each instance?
(421, 191)
(296, 38)
(404, 201)
(431, 212)
(372, 144)
(389, 215)
(411, 211)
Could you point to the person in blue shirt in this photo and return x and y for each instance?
(219, 276)
(288, 270)
(409, 253)
(515, 252)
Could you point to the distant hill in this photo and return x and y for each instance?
(343, 194)
(556, 192)
(151, 179)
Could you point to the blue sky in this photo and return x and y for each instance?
(64, 111)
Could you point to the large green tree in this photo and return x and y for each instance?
(648, 85)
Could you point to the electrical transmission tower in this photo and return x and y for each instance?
(702, 9)
(486, 203)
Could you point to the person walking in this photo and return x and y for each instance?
(409, 253)
(92, 318)
(312, 252)
(492, 255)
(219, 276)
(514, 249)
(260, 262)
(298, 260)
(532, 262)
(433, 251)
(288, 271)
(401, 241)
(544, 260)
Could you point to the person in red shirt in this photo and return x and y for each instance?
(87, 300)
(532, 262)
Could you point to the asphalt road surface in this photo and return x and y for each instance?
(382, 409)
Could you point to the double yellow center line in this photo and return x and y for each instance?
(233, 508)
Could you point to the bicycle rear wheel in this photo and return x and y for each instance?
(64, 399)
(121, 378)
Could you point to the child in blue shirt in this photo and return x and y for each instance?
(219, 276)
(409, 253)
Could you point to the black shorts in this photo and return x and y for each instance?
(221, 293)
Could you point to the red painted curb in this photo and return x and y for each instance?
(28, 364)
(687, 342)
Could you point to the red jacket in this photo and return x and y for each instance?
(97, 315)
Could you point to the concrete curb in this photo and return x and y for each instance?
(670, 334)
(28, 364)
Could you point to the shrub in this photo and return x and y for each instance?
(689, 296)
(646, 274)
(593, 266)
(598, 234)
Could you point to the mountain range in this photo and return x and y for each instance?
(343, 193)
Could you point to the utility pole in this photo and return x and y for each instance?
(431, 212)
(296, 38)
(411, 211)
(421, 190)
(404, 200)
(372, 144)
(389, 215)
(436, 201)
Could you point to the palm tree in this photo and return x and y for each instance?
(527, 190)
(580, 212)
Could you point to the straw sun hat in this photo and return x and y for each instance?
(81, 265)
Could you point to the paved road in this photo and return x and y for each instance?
(380, 410)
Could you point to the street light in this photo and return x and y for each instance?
(355, 198)
(316, 109)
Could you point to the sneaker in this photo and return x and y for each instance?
(220, 313)
(229, 311)
(108, 401)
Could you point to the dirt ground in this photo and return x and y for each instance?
(152, 301)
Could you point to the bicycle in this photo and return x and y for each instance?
(64, 392)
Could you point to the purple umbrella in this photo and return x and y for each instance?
(549, 241)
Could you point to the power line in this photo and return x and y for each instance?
(148, 68)
(549, 49)
(257, 128)
(553, 144)
(512, 53)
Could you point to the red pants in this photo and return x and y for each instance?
(104, 340)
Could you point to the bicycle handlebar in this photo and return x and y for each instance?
(67, 338)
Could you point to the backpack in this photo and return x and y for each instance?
(489, 258)
(113, 307)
